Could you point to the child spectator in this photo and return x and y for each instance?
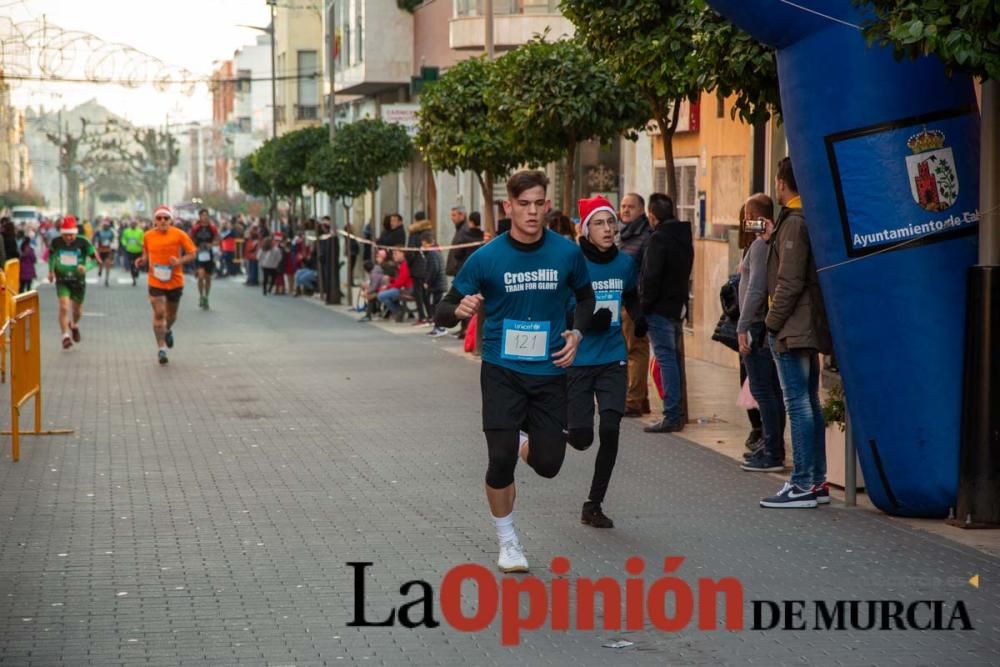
(436, 283)
(270, 260)
(28, 260)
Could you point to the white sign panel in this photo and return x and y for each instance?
(402, 114)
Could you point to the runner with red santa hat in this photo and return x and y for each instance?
(600, 369)
(70, 256)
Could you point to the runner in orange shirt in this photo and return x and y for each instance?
(165, 249)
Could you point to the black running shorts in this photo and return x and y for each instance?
(513, 401)
(608, 382)
(173, 295)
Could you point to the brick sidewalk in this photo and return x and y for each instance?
(203, 512)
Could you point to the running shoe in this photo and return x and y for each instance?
(761, 462)
(791, 496)
(512, 557)
(163, 357)
(168, 338)
(75, 331)
(592, 515)
(437, 332)
(67, 342)
(822, 492)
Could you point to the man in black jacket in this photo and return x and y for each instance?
(635, 231)
(393, 232)
(663, 292)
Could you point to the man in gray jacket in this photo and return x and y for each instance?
(634, 233)
(797, 332)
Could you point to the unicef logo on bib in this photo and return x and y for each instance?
(525, 341)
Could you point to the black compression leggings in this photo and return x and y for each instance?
(548, 449)
(607, 453)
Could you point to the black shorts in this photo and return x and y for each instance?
(513, 401)
(173, 295)
(609, 382)
(104, 254)
(207, 267)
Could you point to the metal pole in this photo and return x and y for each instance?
(59, 168)
(331, 43)
(274, 108)
(989, 176)
(850, 465)
(488, 26)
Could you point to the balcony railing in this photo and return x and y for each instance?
(306, 112)
(506, 7)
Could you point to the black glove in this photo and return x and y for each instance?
(640, 328)
(601, 320)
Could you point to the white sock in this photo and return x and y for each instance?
(66, 335)
(505, 528)
(163, 348)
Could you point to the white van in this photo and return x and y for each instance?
(29, 216)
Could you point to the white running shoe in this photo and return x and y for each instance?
(512, 557)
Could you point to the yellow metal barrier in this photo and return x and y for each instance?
(12, 269)
(5, 308)
(26, 368)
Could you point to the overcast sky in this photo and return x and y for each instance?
(187, 34)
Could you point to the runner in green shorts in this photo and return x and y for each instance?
(69, 258)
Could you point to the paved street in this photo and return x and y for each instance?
(203, 512)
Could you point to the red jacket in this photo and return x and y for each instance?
(402, 279)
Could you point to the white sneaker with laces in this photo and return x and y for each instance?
(512, 557)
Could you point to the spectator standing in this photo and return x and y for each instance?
(758, 214)
(666, 270)
(270, 260)
(393, 234)
(420, 231)
(631, 241)
(251, 248)
(28, 260)
(436, 283)
(9, 232)
(797, 333)
(471, 232)
(452, 265)
(558, 222)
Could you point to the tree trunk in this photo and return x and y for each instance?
(667, 128)
(486, 185)
(567, 196)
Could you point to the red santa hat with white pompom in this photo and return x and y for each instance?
(588, 207)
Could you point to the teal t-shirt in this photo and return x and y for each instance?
(610, 281)
(525, 293)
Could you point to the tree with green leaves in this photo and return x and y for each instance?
(362, 153)
(553, 95)
(250, 180)
(456, 130)
(666, 51)
(965, 34)
(281, 161)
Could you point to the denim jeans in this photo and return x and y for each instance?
(664, 334)
(766, 390)
(798, 371)
(390, 297)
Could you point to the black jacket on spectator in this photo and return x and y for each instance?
(668, 256)
(393, 238)
(419, 232)
(435, 279)
(450, 265)
(456, 258)
(10, 249)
